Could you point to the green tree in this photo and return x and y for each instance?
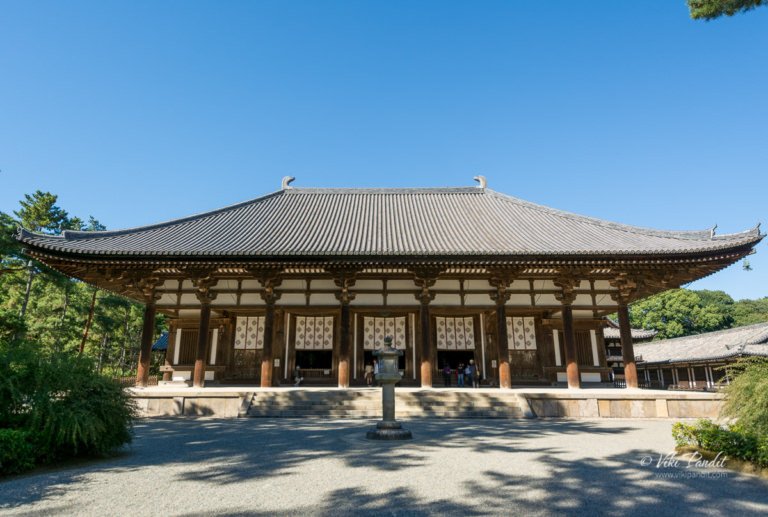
(711, 9)
(39, 213)
(679, 312)
(747, 312)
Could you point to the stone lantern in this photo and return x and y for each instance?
(388, 376)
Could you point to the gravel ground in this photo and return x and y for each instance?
(326, 467)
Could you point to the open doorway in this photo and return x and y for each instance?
(453, 358)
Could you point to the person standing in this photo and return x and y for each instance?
(475, 374)
(369, 374)
(297, 375)
(468, 373)
(460, 375)
(375, 369)
(447, 375)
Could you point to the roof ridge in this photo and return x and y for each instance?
(384, 190)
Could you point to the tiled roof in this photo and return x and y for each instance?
(723, 344)
(613, 333)
(306, 222)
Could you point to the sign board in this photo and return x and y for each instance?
(277, 362)
(493, 363)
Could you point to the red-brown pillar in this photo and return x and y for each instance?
(505, 375)
(267, 364)
(568, 282)
(344, 347)
(627, 347)
(571, 363)
(425, 279)
(427, 360)
(270, 280)
(344, 279)
(147, 337)
(198, 377)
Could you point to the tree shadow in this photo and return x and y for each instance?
(226, 452)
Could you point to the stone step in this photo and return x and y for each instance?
(289, 413)
(367, 404)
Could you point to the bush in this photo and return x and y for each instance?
(734, 441)
(16, 453)
(77, 411)
(73, 410)
(747, 395)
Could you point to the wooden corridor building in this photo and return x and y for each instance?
(318, 277)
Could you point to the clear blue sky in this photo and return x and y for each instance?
(137, 112)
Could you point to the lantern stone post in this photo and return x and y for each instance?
(388, 376)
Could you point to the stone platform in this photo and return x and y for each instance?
(232, 402)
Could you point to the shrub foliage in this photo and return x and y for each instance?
(57, 406)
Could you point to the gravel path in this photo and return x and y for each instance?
(452, 467)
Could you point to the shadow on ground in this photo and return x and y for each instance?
(244, 450)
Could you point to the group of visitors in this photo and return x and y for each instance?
(467, 375)
(371, 370)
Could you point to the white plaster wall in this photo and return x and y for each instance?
(167, 299)
(292, 299)
(251, 299)
(583, 299)
(546, 299)
(322, 299)
(368, 284)
(225, 284)
(293, 283)
(189, 299)
(401, 284)
(478, 299)
(322, 283)
(446, 299)
(402, 299)
(447, 284)
(519, 299)
(368, 299)
(225, 299)
(603, 284)
(251, 283)
(477, 284)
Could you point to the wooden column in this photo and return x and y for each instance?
(198, 377)
(426, 279)
(569, 338)
(145, 282)
(203, 282)
(269, 280)
(267, 361)
(344, 279)
(502, 340)
(344, 347)
(147, 337)
(627, 347)
(566, 297)
(626, 286)
(427, 360)
(501, 279)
